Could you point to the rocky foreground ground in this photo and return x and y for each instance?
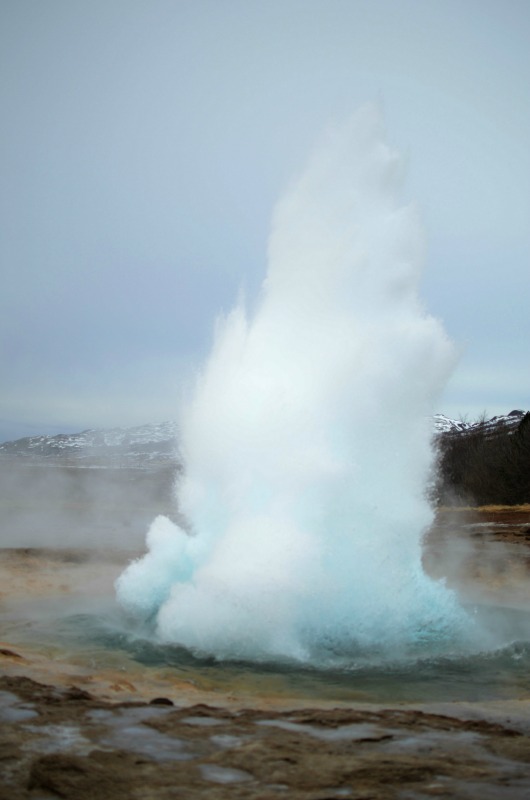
(72, 729)
(68, 743)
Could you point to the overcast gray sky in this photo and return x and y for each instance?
(144, 144)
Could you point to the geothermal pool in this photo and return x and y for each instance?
(60, 623)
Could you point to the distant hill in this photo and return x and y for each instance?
(155, 443)
(143, 446)
(485, 462)
(481, 462)
(443, 424)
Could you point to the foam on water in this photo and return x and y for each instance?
(307, 440)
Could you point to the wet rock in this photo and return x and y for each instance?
(79, 747)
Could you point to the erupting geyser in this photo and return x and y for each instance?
(307, 443)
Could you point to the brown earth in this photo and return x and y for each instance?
(68, 743)
(483, 553)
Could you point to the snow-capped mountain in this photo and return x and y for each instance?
(445, 425)
(141, 446)
(154, 444)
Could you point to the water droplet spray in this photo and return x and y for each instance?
(307, 441)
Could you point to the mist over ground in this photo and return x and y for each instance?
(44, 506)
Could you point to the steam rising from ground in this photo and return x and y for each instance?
(307, 440)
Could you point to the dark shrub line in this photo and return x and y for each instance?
(484, 465)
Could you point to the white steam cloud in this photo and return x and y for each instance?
(307, 440)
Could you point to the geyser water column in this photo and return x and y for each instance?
(307, 442)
